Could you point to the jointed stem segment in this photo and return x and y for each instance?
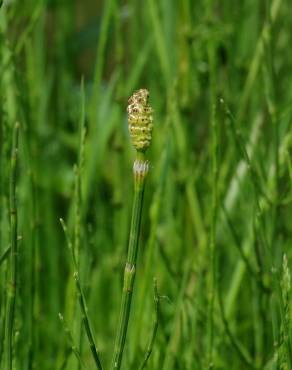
(140, 172)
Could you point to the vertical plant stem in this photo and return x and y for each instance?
(154, 330)
(86, 321)
(271, 98)
(78, 203)
(140, 170)
(82, 302)
(241, 351)
(76, 248)
(71, 343)
(11, 296)
(214, 149)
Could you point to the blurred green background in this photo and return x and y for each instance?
(217, 216)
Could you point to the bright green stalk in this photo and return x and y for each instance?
(154, 330)
(154, 215)
(71, 342)
(11, 296)
(140, 171)
(140, 128)
(82, 302)
(214, 210)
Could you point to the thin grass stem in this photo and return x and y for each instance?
(255, 274)
(71, 342)
(154, 330)
(82, 301)
(214, 208)
(242, 352)
(11, 296)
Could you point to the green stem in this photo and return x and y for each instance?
(70, 340)
(82, 302)
(5, 255)
(241, 351)
(211, 47)
(140, 173)
(154, 330)
(13, 254)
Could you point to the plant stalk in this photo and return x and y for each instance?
(140, 171)
(82, 302)
(11, 296)
(154, 330)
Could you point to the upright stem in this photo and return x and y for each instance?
(140, 170)
(154, 330)
(214, 210)
(13, 254)
(82, 301)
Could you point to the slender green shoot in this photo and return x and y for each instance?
(214, 207)
(71, 342)
(11, 296)
(240, 350)
(82, 301)
(154, 330)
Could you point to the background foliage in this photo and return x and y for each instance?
(217, 219)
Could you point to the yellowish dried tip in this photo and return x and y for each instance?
(140, 119)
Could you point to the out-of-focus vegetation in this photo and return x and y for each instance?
(216, 227)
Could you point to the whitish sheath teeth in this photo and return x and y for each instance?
(140, 168)
(140, 119)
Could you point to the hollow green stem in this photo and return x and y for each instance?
(140, 170)
(11, 296)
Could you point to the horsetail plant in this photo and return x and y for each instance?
(71, 343)
(154, 330)
(140, 121)
(82, 301)
(11, 296)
